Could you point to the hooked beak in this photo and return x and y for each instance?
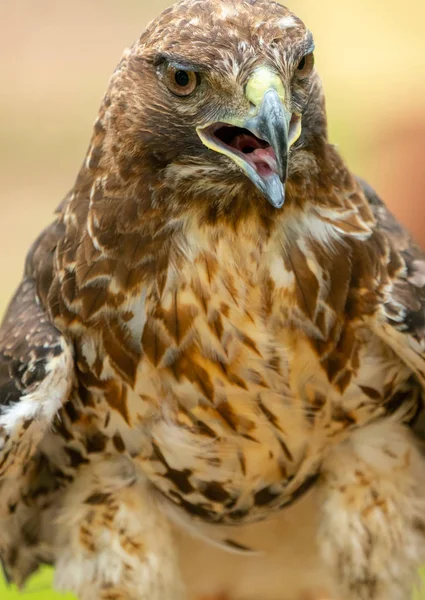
(259, 144)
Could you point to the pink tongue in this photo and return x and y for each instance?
(264, 160)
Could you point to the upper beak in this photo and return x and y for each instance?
(259, 144)
(272, 125)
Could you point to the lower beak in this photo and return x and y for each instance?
(264, 157)
(272, 125)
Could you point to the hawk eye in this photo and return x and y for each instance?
(181, 78)
(305, 66)
(179, 81)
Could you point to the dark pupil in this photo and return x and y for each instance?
(182, 78)
(302, 64)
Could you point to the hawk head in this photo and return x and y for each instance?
(217, 102)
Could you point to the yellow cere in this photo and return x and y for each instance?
(263, 79)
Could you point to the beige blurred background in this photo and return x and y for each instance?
(56, 57)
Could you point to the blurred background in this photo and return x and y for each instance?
(56, 57)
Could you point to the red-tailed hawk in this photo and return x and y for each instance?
(220, 320)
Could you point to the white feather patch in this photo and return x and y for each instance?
(46, 399)
(287, 22)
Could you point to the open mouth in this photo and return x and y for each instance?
(242, 142)
(257, 152)
(258, 144)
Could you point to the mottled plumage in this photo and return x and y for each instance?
(220, 320)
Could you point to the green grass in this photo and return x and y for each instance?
(420, 594)
(39, 588)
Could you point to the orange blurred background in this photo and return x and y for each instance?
(56, 58)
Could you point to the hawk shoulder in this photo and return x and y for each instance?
(36, 366)
(401, 323)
